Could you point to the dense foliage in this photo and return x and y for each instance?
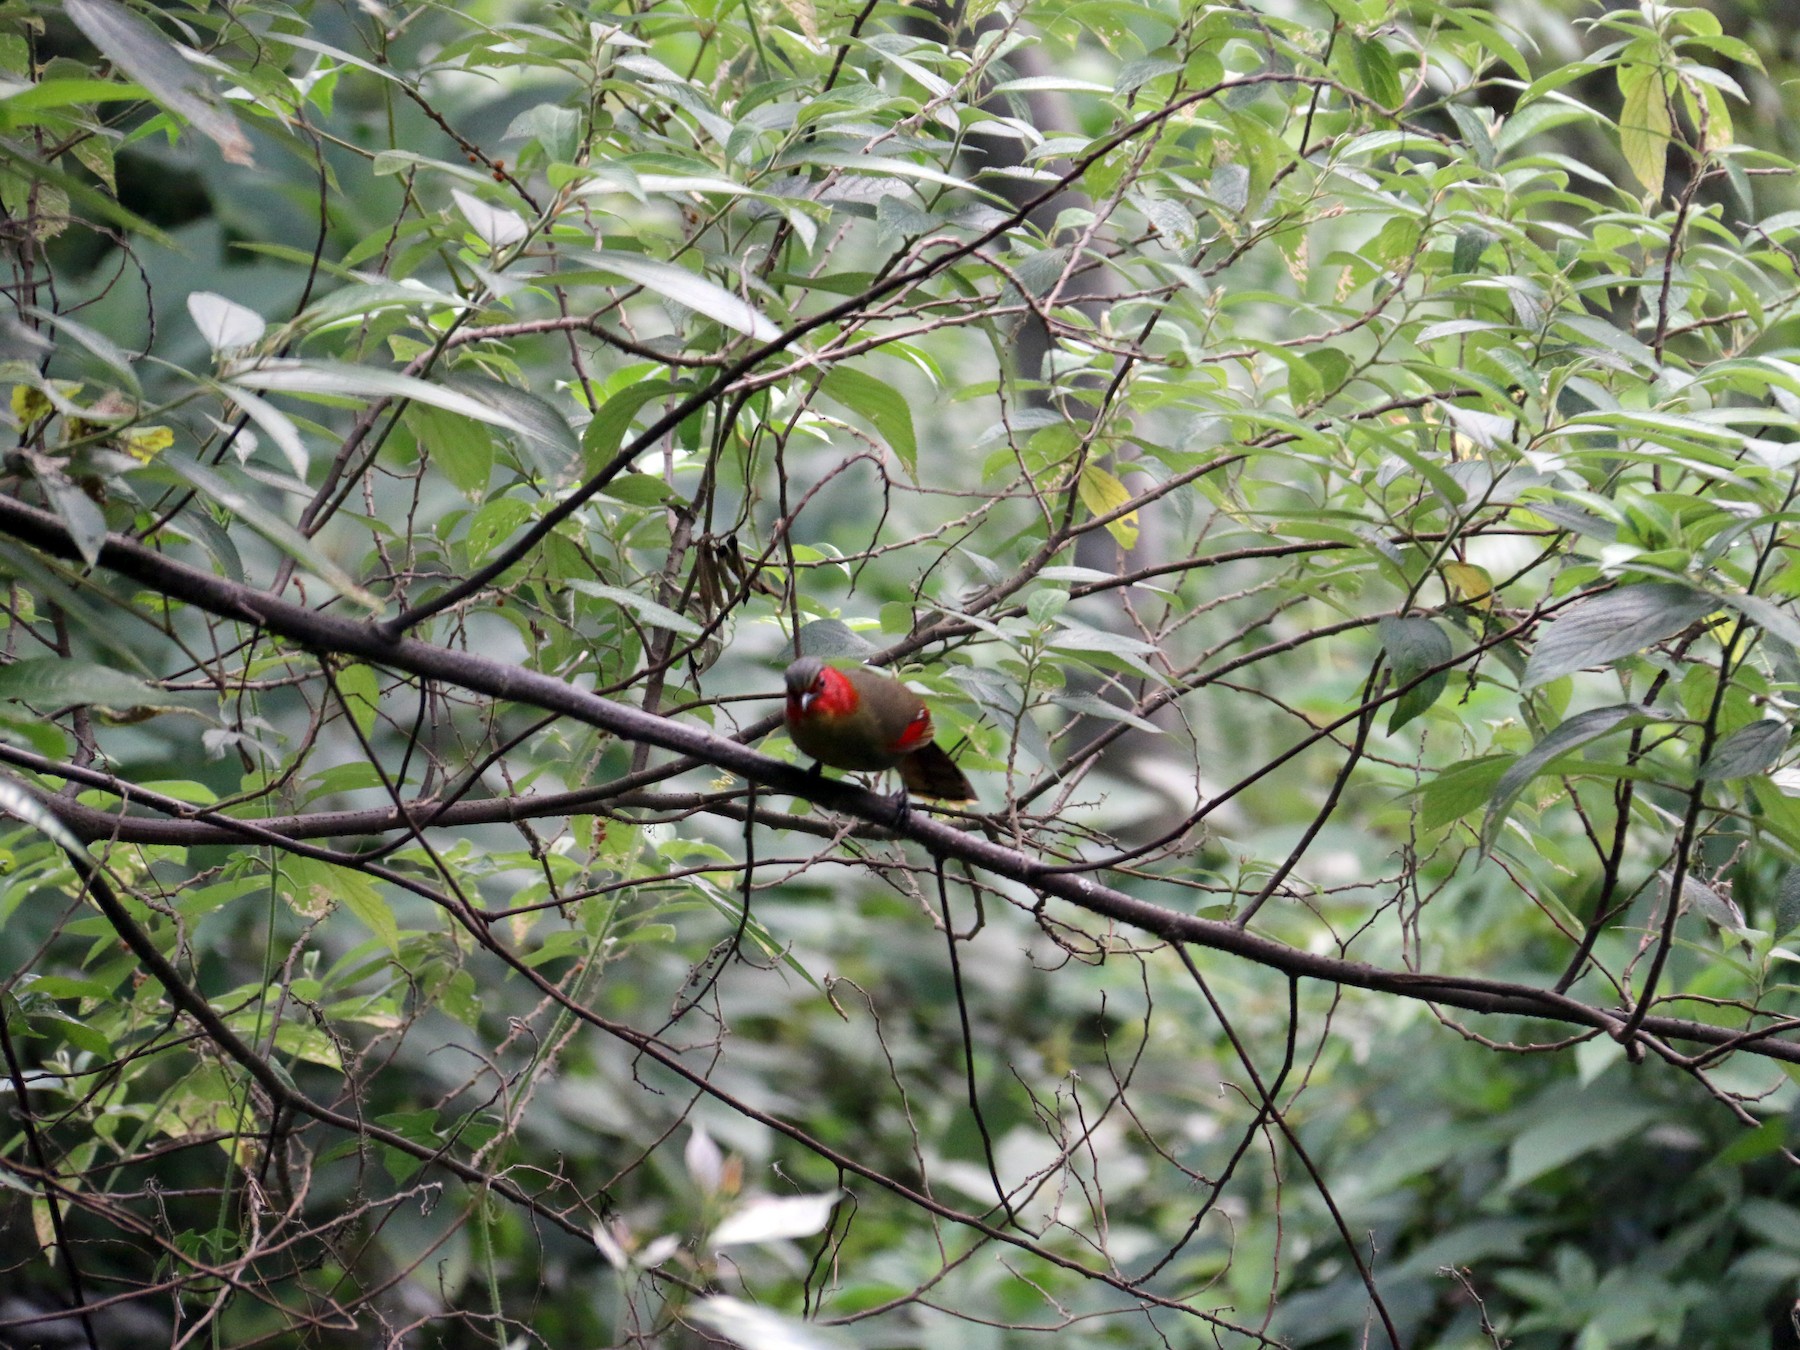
(1331, 466)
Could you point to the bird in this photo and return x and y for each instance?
(851, 717)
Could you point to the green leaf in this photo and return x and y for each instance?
(80, 194)
(831, 637)
(537, 422)
(1090, 705)
(1571, 735)
(638, 489)
(1460, 789)
(1613, 625)
(1576, 1124)
(883, 405)
(79, 513)
(556, 129)
(495, 226)
(1771, 618)
(50, 94)
(1414, 646)
(1379, 76)
(335, 379)
(312, 887)
(51, 682)
(274, 423)
(150, 59)
(116, 359)
(603, 435)
(1750, 750)
(216, 485)
(688, 290)
(657, 616)
(1471, 242)
(99, 624)
(1787, 902)
(361, 692)
(458, 447)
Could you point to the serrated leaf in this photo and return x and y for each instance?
(1749, 750)
(1613, 625)
(1413, 646)
(883, 405)
(1571, 735)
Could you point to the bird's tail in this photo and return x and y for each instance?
(930, 772)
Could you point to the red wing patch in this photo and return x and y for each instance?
(918, 732)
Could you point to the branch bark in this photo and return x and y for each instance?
(333, 634)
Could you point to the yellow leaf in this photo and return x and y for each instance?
(144, 443)
(1103, 494)
(1644, 125)
(28, 404)
(43, 1227)
(1707, 110)
(1470, 584)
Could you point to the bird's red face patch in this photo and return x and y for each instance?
(829, 695)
